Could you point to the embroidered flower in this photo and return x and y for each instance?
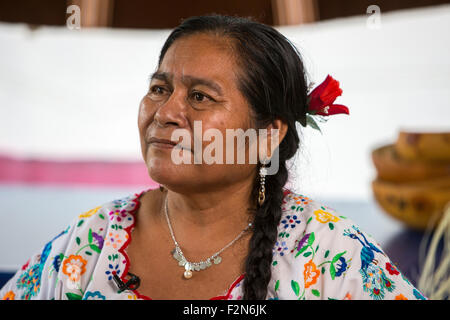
(302, 241)
(9, 296)
(341, 266)
(290, 221)
(98, 240)
(117, 214)
(74, 267)
(96, 295)
(112, 271)
(392, 269)
(89, 213)
(324, 217)
(113, 239)
(302, 200)
(280, 248)
(310, 274)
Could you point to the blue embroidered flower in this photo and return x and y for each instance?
(290, 221)
(281, 247)
(341, 266)
(96, 295)
(112, 271)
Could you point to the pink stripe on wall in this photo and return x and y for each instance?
(74, 172)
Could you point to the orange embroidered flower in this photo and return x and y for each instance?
(114, 240)
(89, 213)
(310, 274)
(9, 296)
(348, 296)
(401, 297)
(74, 267)
(324, 217)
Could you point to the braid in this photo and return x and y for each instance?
(266, 220)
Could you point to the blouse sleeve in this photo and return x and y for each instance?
(351, 263)
(320, 254)
(37, 278)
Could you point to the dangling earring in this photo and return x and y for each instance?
(262, 181)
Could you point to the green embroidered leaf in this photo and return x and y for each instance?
(101, 216)
(323, 270)
(277, 285)
(336, 257)
(80, 223)
(95, 248)
(78, 240)
(274, 263)
(315, 292)
(90, 238)
(311, 238)
(307, 254)
(332, 271)
(88, 253)
(295, 287)
(73, 296)
(331, 226)
(327, 253)
(293, 207)
(309, 220)
(317, 248)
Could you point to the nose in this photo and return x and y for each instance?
(173, 111)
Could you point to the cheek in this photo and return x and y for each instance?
(145, 116)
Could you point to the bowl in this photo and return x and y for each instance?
(423, 146)
(390, 167)
(419, 205)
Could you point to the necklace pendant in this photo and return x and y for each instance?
(188, 273)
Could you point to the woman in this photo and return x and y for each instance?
(217, 229)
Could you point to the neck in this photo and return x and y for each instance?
(210, 207)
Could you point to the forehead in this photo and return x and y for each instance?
(201, 55)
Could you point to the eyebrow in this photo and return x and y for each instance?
(188, 80)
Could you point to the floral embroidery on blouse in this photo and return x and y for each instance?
(318, 254)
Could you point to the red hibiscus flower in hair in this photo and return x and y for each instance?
(321, 101)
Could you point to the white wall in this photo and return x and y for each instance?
(75, 94)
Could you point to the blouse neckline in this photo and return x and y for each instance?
(122, 250)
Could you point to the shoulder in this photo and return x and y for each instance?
(321, 254)
(64, 267)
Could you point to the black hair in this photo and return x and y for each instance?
(273, 80)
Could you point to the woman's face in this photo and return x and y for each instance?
(196, 81)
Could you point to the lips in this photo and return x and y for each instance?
(162, 143)
(166, 144)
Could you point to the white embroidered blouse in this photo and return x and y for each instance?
(318, 254)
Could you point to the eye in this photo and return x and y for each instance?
(157, 89)
(200, 97)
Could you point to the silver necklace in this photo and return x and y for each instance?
(178, 255)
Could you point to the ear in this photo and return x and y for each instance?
(273, 138)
